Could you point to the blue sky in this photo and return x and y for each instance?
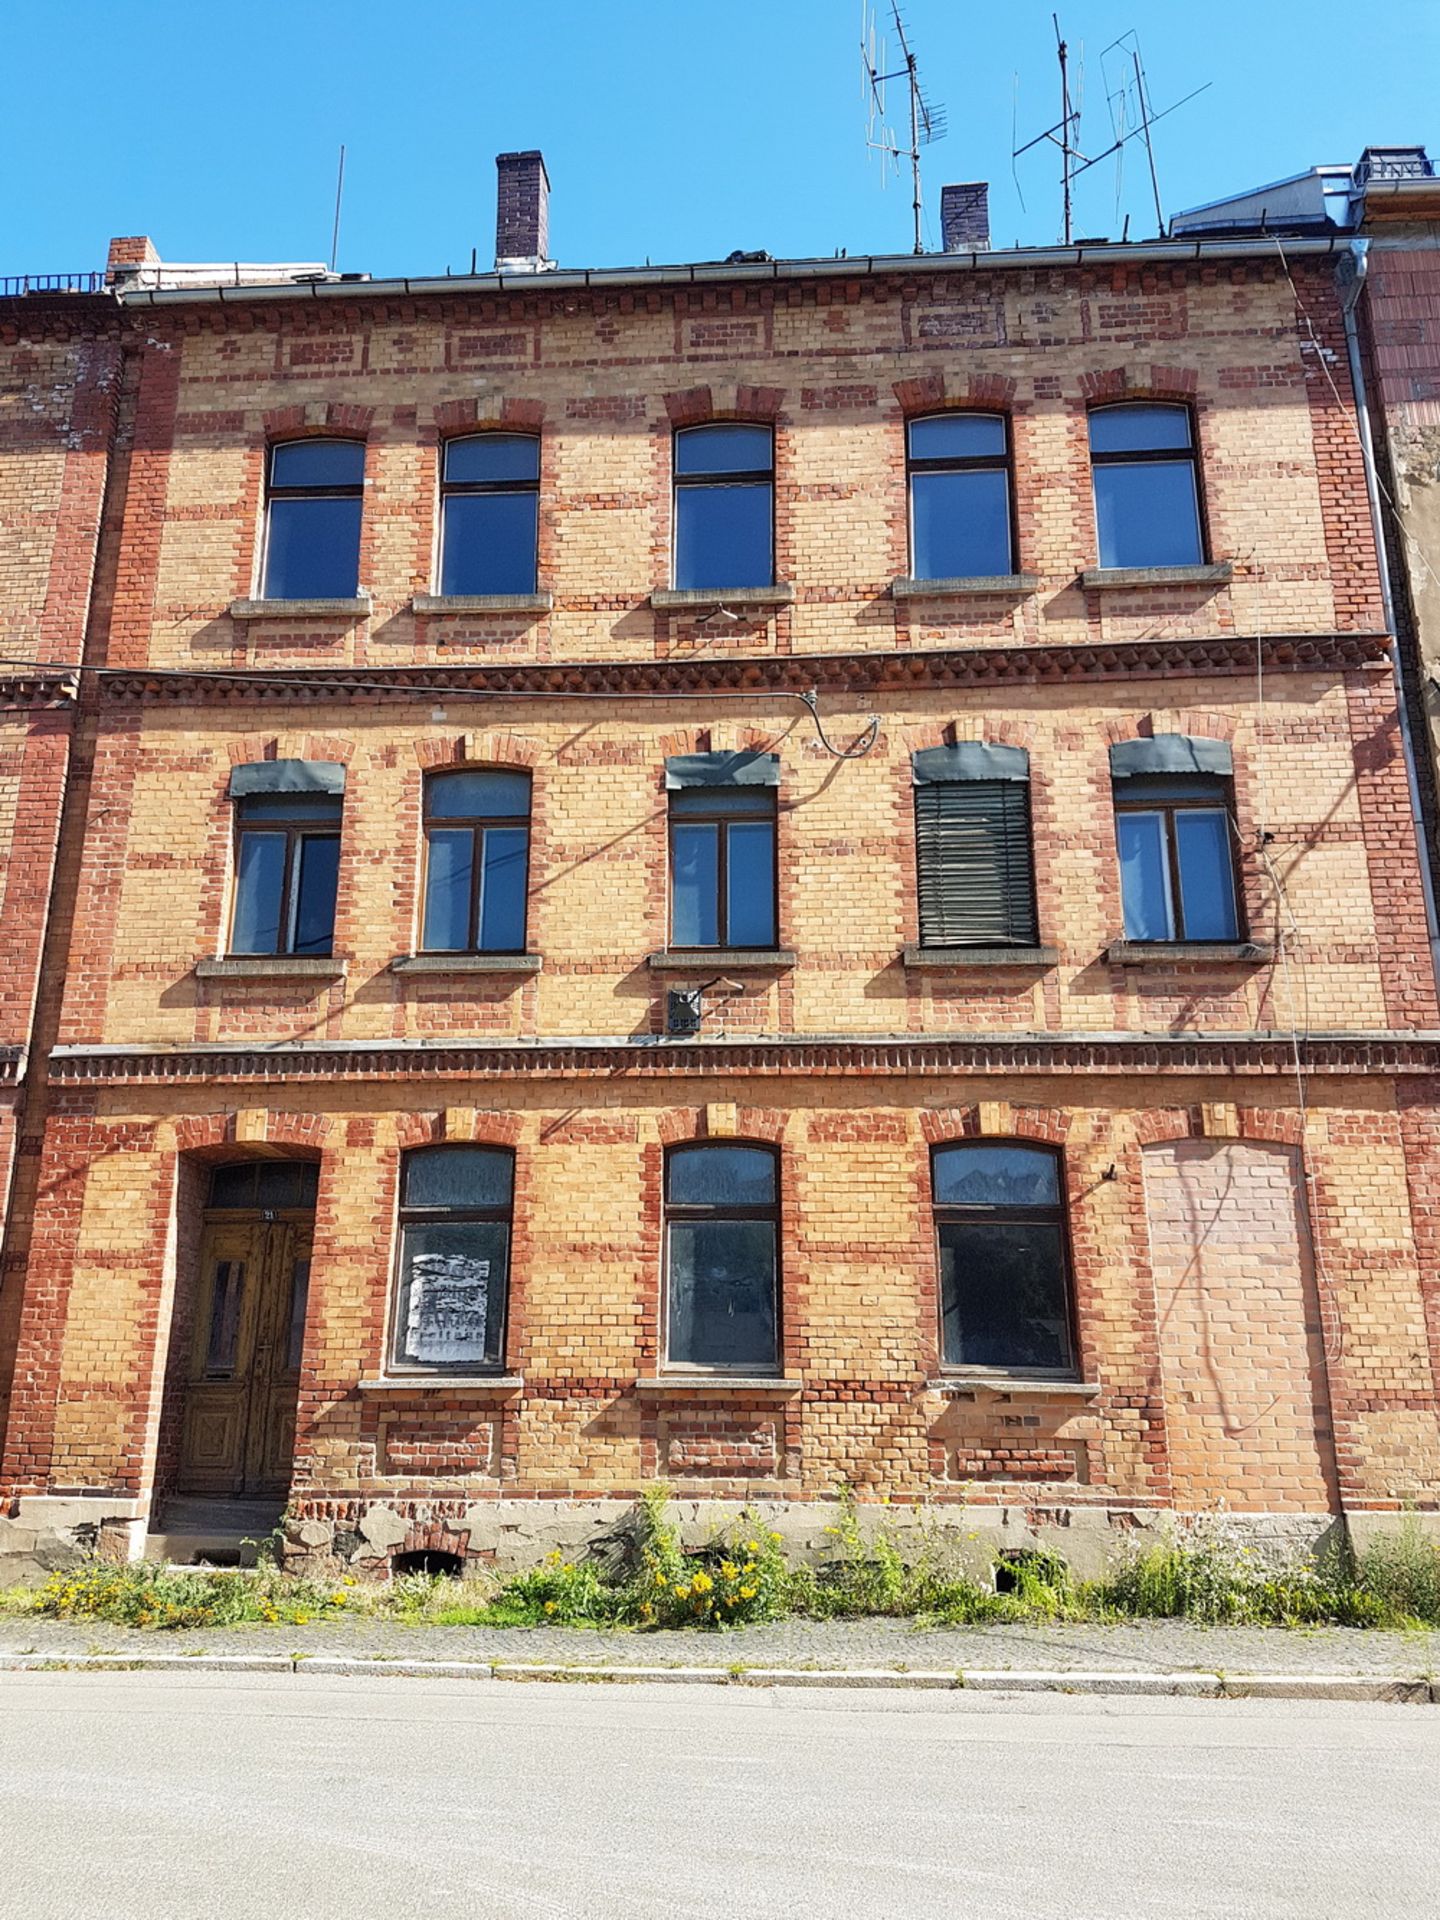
(673, 129)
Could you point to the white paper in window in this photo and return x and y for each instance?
(448, 1308)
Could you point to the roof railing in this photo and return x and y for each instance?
(13, 284)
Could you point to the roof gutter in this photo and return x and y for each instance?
(862, 266)
(1359, 255)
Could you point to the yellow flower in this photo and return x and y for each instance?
(660, 1579)
(748, 1593)
(752, 1546)
(727, 1567)
(550, 1606)
(702, 1583)
(749, 1566)
(776, 1538)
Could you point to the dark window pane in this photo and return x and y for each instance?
(299, 1300)
(502, 889)
(726, 800)
(750, 884)
(721, 1177)
(233, 1186)
(961, 523)
(489, 543)
(285, 1183)
(478, 794)
(492, 456)
(317, 807)
(317, 858)
(1146, 515)
(723, 449)
(722, 536)
(318, 463)
(1149, 788)
(1002, 1288)
(461, 1177)
(260, 874)
(313, 549)
(695, 886)
(225, 1301)
(957, 436)
(1144, 876)
(995, 1176)
(1138, 429)
(452, 1293)
(1207, 887)
(722, 1292)
(449, 851)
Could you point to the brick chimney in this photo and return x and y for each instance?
(965, 217)
(128, 254)
(522, 213)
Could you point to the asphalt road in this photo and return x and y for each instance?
(225, 1798)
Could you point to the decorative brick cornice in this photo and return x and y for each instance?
(860, 674)
(823, 1054)
(36, 687)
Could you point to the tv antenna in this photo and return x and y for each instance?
(1131, 95)
(927, 117)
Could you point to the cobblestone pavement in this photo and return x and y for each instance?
(1161, 1646)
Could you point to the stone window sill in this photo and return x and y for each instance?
(1014, 1383)
(358, 608)
(466, 963)
(676, 599)
(278, 966)
(1226, 953)
(443, 603)
(444, 1382)
(718, 1383)
(1098, 579)
(950, 958)
(721, 959)
(964, 585)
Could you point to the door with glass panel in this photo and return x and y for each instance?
(243, 1375)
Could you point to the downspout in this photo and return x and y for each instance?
(1359, 254)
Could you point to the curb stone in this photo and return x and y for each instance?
(1192, 1685)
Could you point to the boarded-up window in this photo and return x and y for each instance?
(455, 1212)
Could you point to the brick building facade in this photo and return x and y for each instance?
(1208, 1163)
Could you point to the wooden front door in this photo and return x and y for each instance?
(238, 1434)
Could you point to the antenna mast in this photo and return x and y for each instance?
(1063, 134)
(335, 230)
(927, 119)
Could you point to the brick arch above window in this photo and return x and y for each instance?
(488, 413)
(1266, 1126)
(995, 1120)
(1176, 385)
(202, 1133)
(477, 749)
(1199, 723)
(942, 392)
(695, 406)
(318, 421)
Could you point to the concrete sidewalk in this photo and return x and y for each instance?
(1164, 1657)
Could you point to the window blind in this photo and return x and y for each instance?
(976, 872)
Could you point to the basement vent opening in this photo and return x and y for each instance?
(429, 1560)
(1015, 1564)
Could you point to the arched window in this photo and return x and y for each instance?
(312, 520)
(1147, 495)
(724, 506)
(722, 1224)
(1175, 835)
(489, 514)
(477, 858)
(456, 1205)
(960, 496)
(1004, 1263)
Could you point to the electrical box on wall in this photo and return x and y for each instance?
(682, 1010)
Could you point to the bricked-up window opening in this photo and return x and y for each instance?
(722, 1223)
(433, 1562)
(489, 514)
(477, 861)
(1177, 867)
(1004, 1263)
(724, 506)
(312, 520)
(722, 867)
(455, 1214)
(287, 868)
(1147, 493)
(961, 523)
(975, 865)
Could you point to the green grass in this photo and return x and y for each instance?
(742, 1575)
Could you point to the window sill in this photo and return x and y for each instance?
(1097, 579)
(743, 1383)
(675, 599)
(950, 958)
(280, 966)
(1014, 1383)
(723, 959)
(441, 603)
(1223, 953)
(443, 1382)
(358, 608)
(963, 586)
(466, 963)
